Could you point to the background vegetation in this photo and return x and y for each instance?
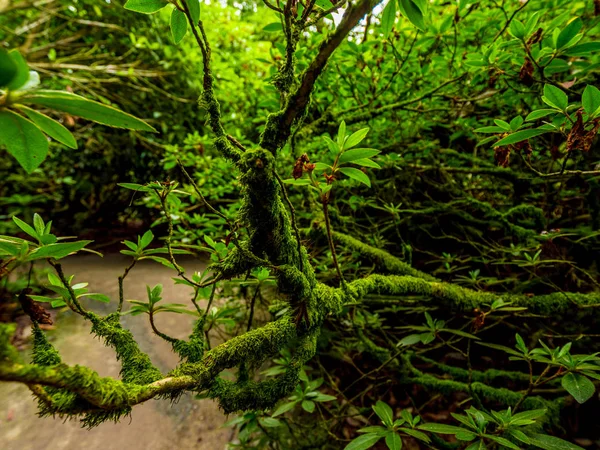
(404, 206)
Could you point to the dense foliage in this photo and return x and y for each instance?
(400, 201)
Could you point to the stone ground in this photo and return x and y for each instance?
(154, 425)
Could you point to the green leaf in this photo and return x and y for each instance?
(502, 348)
(341, 137)
(583, 49)
(555, 97)
(145, 6)
(416, 434)
(590, 99)
(529, 415)
(519, 435)
(146, 239)
(357, 153)
(8, 68)
(534, 115)
(363, 442)
(440, 428)
(25, 227)
(97, 297)
(385, 413)
(366, 163)
(23, 140)
(88, 109)
(460, 333)
(298, 182)
(520, 136)
(194, 8)
(502, 441)
(580, 387)
(269, 422)
(393, 441)
(388, 18)
(412, 12)
(273, 27)
(21, 76)
(179, 25)
(411, 339)
(569, 33)
(355, 138)
(517, 29)
(308, 406)
(50, 126)
(284, 408)
(356, 174)
(490, 129)
(333, 147)
(56, 251)
(552, 443)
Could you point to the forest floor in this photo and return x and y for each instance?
(154, 425)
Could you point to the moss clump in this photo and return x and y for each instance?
(136, 367)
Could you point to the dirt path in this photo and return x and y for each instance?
(155, 425)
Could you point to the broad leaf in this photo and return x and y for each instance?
(520, 136)
(552, 443)
(363, 442)
(194, 8)
(440, 428)
(569, 33)
(388, 18)
(21, 76)
(356, 174)
(580, 387)
(179, 25)
(412, 12)
(23, 140)
(393, 441)
(88, 109)
(50, 126)
(145, 6)
(8, 68)
(555, 97)
(56, 251)
(591, 99)
(385, 413)
(357, 153)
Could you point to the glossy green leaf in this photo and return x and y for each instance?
(145, 6)
(87, 109)
(23, 140)
(440, 428)
(580, 387)
(363, 442)
(56, 251)
(569, 33)
(357, 153)
(21, 76)
(413, 13)
(552, 443)
(8, 68)
(520, 136)
(590, 99)
(356, 174)
(194, 8)
(50, 126)
(385, 412)
(534, 115)
(388, 18)
(393, 441)
(178, 25)
(555, 97)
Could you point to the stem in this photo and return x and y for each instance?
(330, 240)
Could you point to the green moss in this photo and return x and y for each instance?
(136, 366)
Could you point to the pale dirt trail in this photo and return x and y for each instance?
(154, 425)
